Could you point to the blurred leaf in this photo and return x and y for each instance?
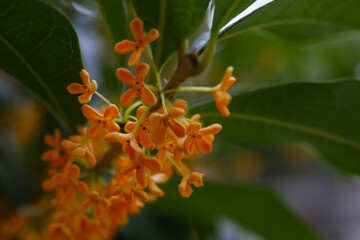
(302, 18)
(255, 208)
(225, 10)
(322, 114)
(113, 13)
(176, 20)
(40, 48)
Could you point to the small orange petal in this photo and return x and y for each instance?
(178, 128)
(125, 76)
(125, 46)
(135, 57)
(80, 151)
(141, 175)
(137, 28)
(84, 98)
(73, 171)
(75, 88)
(212, 129)
(60, 179)
(94, 130)
(90, 157)
(90, 113)
(152, 163)
(179, 103)
(128, 97)
(151, 36)
(147, 96)
(48, 185)
(111, 112)
(141, 72)
(85, 77)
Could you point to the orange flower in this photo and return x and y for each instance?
(138, 47)
(130, 145)
(59, 231)
(142, 164)
(136, 191)
(67, 181)
(53, 155)
(101, 121)
(223, 98)
(100, 204)
(195, 179)
(87, 89)
(199, 140)
(163, 125)
(139, 89)
(142, 133)
(79, 148)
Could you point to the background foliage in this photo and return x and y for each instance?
(297, 65)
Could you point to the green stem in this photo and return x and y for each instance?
(131, 108)
(190, 89)
(140, 120)
(162, 95)
(103, 98)
(107, 102)
(175, 165)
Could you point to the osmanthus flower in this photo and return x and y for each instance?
(130, 145)
(67, 181)
(79, 147)
(163, 125)
(138, 87)
(137, 192)
(195, 179)
(53, 155)
(85, 228)
(100, 121)
(142, 164)
(221, 96)
(59, 230)
(155, 191)
(138, 47)
(142, 133)
(100, 204)
(199, 140)
(87, 89)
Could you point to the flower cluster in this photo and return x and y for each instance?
(114, 165)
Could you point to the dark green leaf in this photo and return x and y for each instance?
(40, 48)
(176, 20)
(113, 14)
(256, 208)
(324, 115)
(302, 18)
(225, 10)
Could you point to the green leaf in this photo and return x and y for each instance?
(225, 10)
(113, 14)
(176, 20)
(255, 208)
(40, 48)
(302, 18)
(324, 115)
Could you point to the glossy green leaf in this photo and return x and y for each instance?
(113, 14)
(255, 208)
(225, 10)
(40, 48)
(323, 115)
(176, 20)
(302, 18)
